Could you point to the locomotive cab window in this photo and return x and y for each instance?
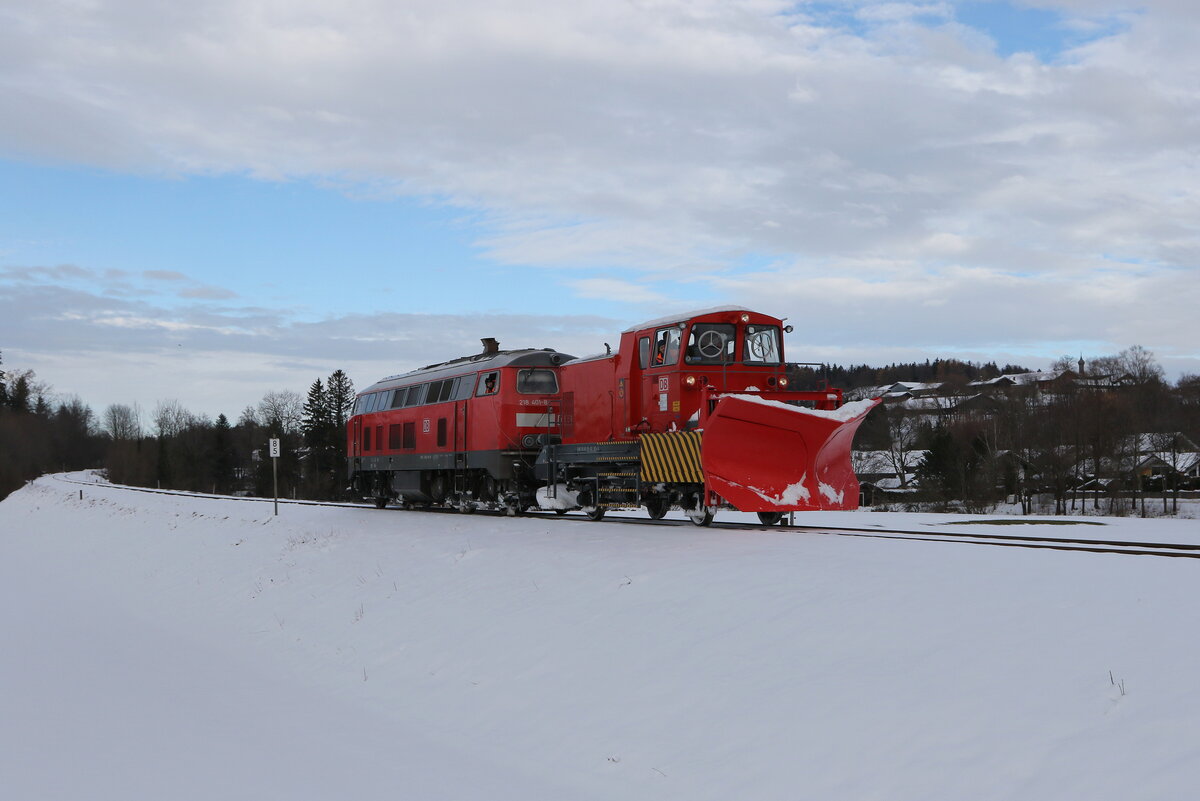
(711, 343)
(666, 347)
(537, 382)
(489, 383)
(762, 345)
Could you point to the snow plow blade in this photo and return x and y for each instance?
(767, 456)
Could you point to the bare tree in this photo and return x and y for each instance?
(170, 418)
(904, 433)
(282, 408)
(122, 422)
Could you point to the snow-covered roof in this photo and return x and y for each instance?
(685, 315)
(913, 386)
(895, 484)
(1037, 377)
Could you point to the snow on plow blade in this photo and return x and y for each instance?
(766, 456)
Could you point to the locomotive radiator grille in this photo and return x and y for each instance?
(673, 457)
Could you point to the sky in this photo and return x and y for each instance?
(204, 202)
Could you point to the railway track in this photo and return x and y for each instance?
(1080, 544)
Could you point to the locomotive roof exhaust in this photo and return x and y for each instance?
(490, 346)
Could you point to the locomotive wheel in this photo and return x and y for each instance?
(657, 506)
(700, 516)
(769, 518)
(381, 502)
(594, 512)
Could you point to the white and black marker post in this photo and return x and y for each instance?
(275, 471)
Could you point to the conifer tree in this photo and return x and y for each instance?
(316, 419)
(223, 456)
(18, 396)
(340, 392)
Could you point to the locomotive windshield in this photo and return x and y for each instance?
(537, 382)
(710, 343)
(762, 345)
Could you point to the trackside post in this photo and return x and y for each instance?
(275, 471)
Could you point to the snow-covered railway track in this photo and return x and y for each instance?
(1128, 548)
(1084, 545)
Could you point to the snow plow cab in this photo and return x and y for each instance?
(697, 412)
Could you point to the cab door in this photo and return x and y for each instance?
(660, 381)
(354, 451)
(460, 426)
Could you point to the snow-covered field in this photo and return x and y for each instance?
(166, 647)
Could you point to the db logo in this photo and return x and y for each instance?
(663, 383)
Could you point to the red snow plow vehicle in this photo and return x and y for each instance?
(696, 412)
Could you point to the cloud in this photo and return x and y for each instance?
(208, 293)
(901, 181)
(164, 275)
(220, 358)
(610, 288)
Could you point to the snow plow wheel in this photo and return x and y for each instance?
(700, 516)
(769, 518)
(381, 503)
(594, 512)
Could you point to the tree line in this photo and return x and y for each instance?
(174, 448)
(927, 372)
(1027, 440)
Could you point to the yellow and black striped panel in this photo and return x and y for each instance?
(672, 457)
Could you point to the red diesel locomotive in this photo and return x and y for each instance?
(692, 411)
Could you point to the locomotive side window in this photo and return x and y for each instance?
(710, 343)
(644, 352)
(489, 383)
(398, 397)
(414, 395)
(537, 382)
(666, 346)
(762, 345)
(441, 391)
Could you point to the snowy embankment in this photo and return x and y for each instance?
(157, 646)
